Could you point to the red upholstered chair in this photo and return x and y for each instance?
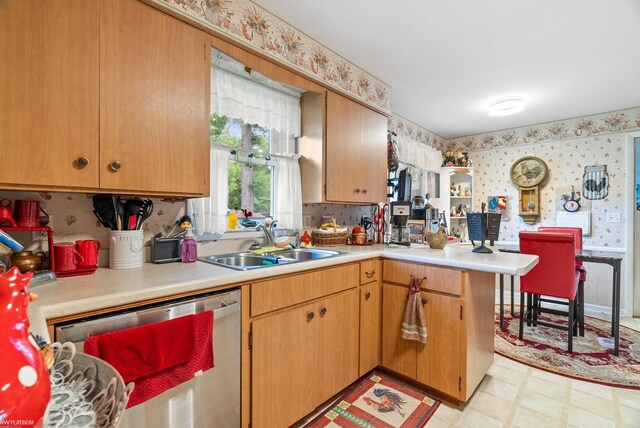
(555, 275)
(577, 234)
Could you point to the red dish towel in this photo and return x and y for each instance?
(158, 356)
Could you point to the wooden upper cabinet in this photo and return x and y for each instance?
(343, 148)
(373, 155)
(49, 93)
(154, 101)
(356, 165)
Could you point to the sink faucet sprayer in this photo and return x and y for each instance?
(268, 239)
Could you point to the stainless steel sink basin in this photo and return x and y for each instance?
(304, 254)
(240, 260)
(246, 261)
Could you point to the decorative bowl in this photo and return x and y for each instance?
(85, 391)
(436, 240)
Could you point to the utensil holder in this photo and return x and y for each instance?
(126, 249)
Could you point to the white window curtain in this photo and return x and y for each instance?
(288, 194)
(267, 104)
(210, 214)
(239, 97)
(287, 204)
(419, 155)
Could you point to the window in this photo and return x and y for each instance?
(250, 179)
(253, 124)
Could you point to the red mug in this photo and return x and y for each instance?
(30, 214)
(88, 250)
(66, 257)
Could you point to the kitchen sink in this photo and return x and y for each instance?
(247, 261)
(304, 254)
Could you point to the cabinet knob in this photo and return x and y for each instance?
(310, 316)
(364, 190)
(370, 274)
(424, 301)
(115, 165)
(367, 295)
(82, 162)
(357, 190)
(323, 312)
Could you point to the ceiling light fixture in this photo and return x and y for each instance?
(506, 106)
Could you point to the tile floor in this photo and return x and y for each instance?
(516, 395)
(519, 396)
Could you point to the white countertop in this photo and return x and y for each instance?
(109, 287)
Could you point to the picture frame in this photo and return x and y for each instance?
(416, 231)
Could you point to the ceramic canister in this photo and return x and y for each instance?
(126, 249)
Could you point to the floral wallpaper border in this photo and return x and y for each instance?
(253, 26)
(586, 126)
(414, 133)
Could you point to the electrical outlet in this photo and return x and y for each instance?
(306, 220)
(613, 217)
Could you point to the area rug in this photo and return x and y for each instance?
(546, 348)
(378, 400)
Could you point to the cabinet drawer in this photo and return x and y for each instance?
(436, 278)
(369, 271)
(277, 293)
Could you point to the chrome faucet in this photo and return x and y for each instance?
(268, 238)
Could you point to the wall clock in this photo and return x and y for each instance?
(571, 202)
(529, 173)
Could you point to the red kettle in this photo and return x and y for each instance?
(5, 212)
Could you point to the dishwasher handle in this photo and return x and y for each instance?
(222, 305)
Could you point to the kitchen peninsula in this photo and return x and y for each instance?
(360, 293)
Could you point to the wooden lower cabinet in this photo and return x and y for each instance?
(436, 363)
(459, 348)
(398, 354)
(370, 300)
(301, 357)
(439, 360)
(337, 342)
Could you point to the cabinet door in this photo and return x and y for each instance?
(370, 314)
(284, 370)
(154, 104)
(337, 345)
(49, 92)
(398, 354)
(373, 156)
(343, 149)
(439, 360)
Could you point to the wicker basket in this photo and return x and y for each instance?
(330, 239)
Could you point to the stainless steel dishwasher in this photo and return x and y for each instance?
(209, 400)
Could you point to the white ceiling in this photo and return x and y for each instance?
(446, 60)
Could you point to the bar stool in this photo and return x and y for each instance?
(555, 275)
(577, 234)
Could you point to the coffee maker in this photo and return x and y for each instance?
(400, 212)
(421, 210)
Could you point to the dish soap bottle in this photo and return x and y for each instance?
(189, 246)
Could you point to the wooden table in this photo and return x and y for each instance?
(612, 259)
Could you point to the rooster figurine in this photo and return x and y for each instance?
(24, 375)
(389, 401)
